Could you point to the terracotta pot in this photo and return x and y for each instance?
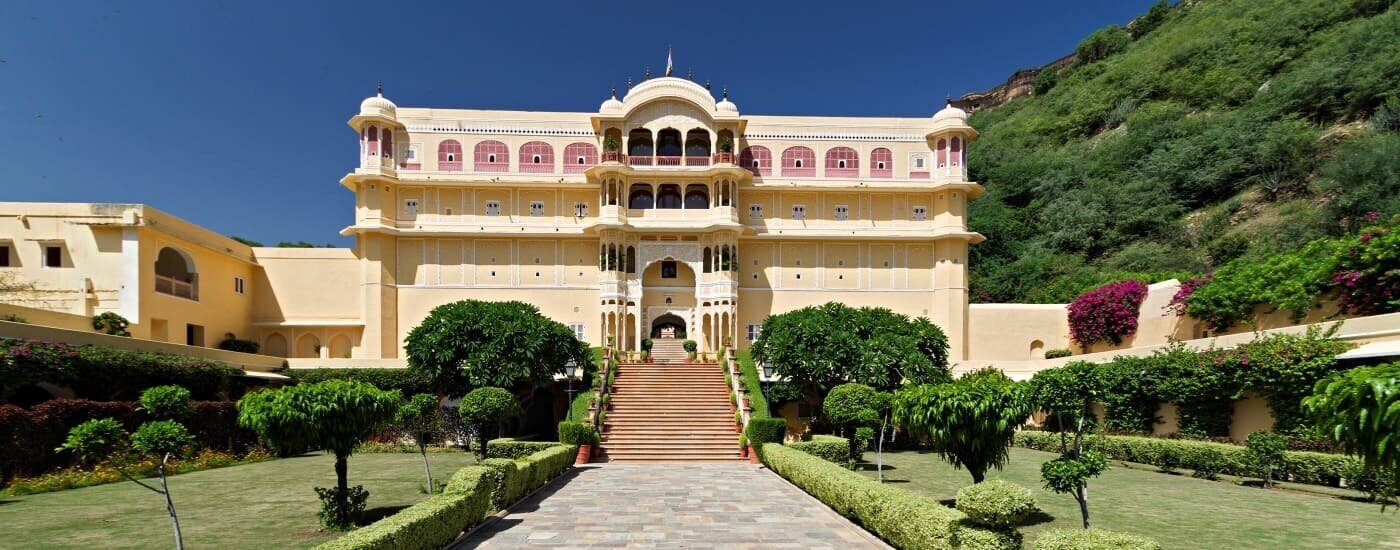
(585, 452)
(753, 456)
(743, 452)
(738, 429)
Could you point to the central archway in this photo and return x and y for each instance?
(669, 325)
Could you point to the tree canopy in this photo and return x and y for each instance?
(819, 347)
(473, 344)
(970, 422)
(1360, 409)
(487, 408)
(853, 406)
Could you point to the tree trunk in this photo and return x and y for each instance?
(341, 467)
(170, 505)
(977, 475)
(423, 450)
(880, 452)
(1082, 495)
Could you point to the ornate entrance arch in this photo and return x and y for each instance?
(668, 325)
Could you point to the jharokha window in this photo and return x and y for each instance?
(450, 156)
(491, 156)
(757, 159)
(537, 157)
(668, 269)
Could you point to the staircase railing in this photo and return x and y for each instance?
(606, 372)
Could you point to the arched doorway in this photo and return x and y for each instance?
(669, 325)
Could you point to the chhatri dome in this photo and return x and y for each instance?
(725, 105)
(611, 104)
(950, 113)
(378, 104)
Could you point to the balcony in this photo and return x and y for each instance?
(177, 288)
(697, 161)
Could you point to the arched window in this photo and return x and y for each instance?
(942, 153)
(536, 157)
(668, 143)
(373, 141)
(631, 260)
(639, 143)
(799, 162)
(705, 260)
(697, 196)
(697, 143)
(491, 156)
(639, 197)
(955, 154)
(881, 163)
(388, 143)
(275, 345)
(450, 156)
(842, 162)
(757, 159)
(579, 157)
(668, 196)
(175, 274)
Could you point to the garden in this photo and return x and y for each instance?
(954, 465)
(397, 466)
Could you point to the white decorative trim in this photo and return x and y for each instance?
(129, 295)
(516, 131)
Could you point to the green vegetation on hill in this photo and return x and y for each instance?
(1226, 129)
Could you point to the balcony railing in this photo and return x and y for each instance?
(612, 156)
(697, 161)
(723, 157)
(638, 160)
(797, 172)
(668, 161)
(881, 173)
(531, 168)
(175, 287)
(450, 166)
(840, 172)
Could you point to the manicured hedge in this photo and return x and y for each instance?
(430, 524)
(408, 381)
(469, 495)
(1202, 456)
(765, 430)
(105, 373)
(506, 447)
(996, 503)
(748, 376)
(827, 447)
(903, 518)
(1092, 539)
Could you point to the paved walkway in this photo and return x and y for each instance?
(670, 506)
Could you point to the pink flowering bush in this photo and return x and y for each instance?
(1177, 306)
(1367, 278)
(1107, 313)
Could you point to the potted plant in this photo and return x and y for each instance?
(726, 151)
(743, 446)
(738, 422)
(646, 349)
(610, 149)
(690, 347)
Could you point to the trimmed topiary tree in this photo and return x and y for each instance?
(577, 433)
(484, 409)
(995, 503)
(474, 344)
(970, 422)
(1068, 393)
(1092, 539)
(419, 418)
(335, 415)
(852, 406)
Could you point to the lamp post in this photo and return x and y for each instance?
(569, 369)
(767, 370)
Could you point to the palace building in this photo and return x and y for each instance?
(664, 210)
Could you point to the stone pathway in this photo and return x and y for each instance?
(670, 506)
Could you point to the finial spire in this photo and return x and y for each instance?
(948, 98)
(690, 74)
(707, 83)
(379, 88)
(629, 83)
(614, 92)
(647, 75)
(725, 92)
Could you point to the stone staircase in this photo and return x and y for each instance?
(668, 412)
(669, 350)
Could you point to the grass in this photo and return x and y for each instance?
(264, 505)
(1177, 511)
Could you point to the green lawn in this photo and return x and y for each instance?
(263, 505)
(1177, 511)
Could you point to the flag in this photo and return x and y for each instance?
(668, 61)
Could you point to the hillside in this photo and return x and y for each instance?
(1214, 130)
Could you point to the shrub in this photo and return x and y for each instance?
(407, 381)
(1057, 353)
(690, 346)
(506, 447)
(826, 447)
(1107, 313)
(107, 373)
(996, 503)
(852, 406)
(507, 479)
(167, 402)
(765, 430)
(230, 343)
(1358, 409)
(93, 440)
(1103, 43)
(486, 409)
(903, 518)
(1204, 457)
(1264, 454)
(1092, 539)
(577, 433)
(111, 323)
(430, 524)
(545, 465)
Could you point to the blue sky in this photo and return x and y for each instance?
(232, 114)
